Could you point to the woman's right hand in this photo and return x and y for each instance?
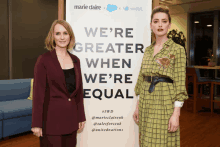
(37, 131)
(136, 116)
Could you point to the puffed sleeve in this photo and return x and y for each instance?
(180, 75)
(140, 80)
(80, 106)
(39, 88)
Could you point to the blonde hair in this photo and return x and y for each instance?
(163, 9)
(49, 41)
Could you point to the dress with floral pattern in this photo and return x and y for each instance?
(156, 108)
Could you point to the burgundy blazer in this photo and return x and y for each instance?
(52, 111)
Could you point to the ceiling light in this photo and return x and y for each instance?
(209, 25)
(196, 21)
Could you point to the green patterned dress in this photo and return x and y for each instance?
(156, 108)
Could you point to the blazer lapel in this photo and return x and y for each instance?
(76, 69)
(59, 70)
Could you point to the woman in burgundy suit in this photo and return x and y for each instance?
(58, 110)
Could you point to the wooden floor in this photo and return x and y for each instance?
(197, 130)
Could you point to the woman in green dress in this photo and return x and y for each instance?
(160, 86)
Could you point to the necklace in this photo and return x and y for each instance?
(61, 58)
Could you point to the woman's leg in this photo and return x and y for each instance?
(69, 140)
(51, 141)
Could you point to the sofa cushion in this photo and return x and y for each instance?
(1, 115)
(16, 125)
(16, 108)
(1, 134)
(14, 89)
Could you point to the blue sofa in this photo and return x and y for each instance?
(15, 108)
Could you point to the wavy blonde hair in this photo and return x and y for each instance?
(49, 41)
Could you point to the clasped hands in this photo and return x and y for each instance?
(38, 131)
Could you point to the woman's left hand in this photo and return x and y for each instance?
(173, 123)
(81, 126)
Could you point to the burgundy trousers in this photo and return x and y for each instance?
(67, 140)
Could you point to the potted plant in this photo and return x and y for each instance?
(211, 59)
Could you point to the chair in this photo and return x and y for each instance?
(214, 82)
(197, 80)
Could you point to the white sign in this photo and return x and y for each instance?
(111, 37)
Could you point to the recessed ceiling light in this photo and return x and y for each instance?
(196, 21)
(209, 25)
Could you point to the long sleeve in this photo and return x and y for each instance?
(80, 108)
(39, 88)
(180, 75)
(178, 104)
(139, 82)
(80, 105)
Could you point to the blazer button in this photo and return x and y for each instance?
(69, 99)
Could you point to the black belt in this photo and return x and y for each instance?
(154, 80)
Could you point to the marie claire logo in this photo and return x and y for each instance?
(90, 7)
(112, 8)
